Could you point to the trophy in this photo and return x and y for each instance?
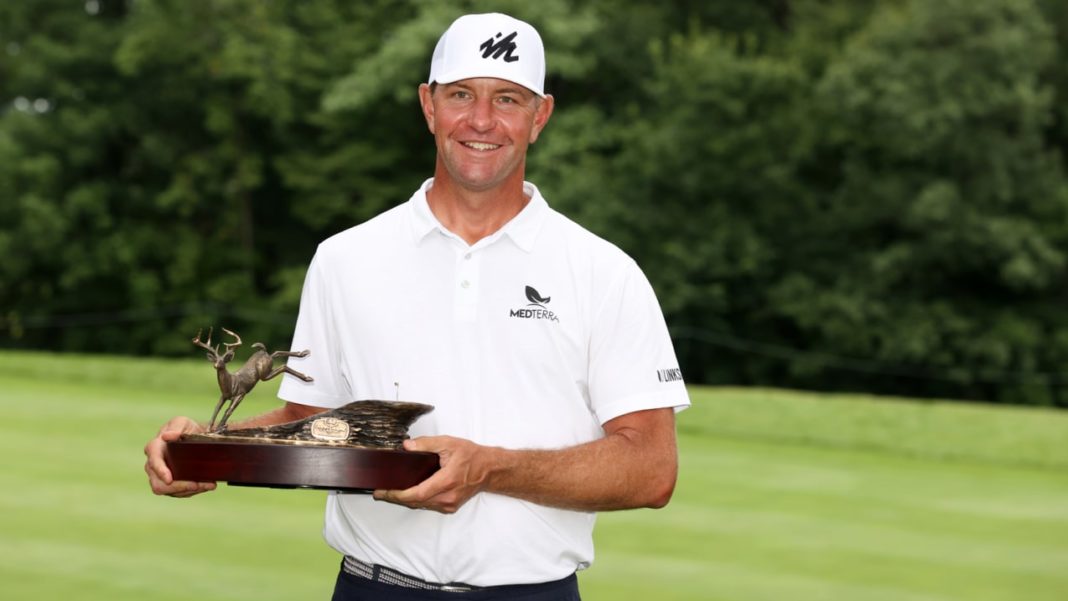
(354, 448)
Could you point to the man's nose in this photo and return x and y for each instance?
(481, 118)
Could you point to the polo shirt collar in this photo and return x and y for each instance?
(421, 217)
(522, 229)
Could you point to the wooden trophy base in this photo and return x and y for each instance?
(354, 448)
(345, 469)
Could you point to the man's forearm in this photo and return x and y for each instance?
(634, 465)
(286, 413)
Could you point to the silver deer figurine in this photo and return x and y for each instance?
(234, 386)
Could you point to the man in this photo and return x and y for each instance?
(541, 346)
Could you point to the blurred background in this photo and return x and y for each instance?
(846, 197)
(861, 195)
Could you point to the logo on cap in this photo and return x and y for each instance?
(502, 47)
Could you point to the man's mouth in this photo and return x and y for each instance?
(481, 146)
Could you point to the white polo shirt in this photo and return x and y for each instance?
(530, 338)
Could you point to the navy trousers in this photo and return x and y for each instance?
(354, 588)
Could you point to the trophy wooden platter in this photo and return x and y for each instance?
(346, 469)
(355, 448)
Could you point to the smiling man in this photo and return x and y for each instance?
(541, 346)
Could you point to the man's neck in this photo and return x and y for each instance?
(473, 215)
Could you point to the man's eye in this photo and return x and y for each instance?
(507, 100)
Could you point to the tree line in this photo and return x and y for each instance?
(863, 195)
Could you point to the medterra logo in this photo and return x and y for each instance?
(536, 309)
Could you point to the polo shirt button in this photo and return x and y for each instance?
(467, 257)
(465, 284)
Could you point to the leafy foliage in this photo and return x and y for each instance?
(866, 195)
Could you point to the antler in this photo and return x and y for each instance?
(230, 346)
(207, 346)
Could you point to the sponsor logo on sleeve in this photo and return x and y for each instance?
(669, 375)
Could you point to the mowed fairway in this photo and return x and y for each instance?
(781, 496)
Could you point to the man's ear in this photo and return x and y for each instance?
(426, 102)
(541, 116)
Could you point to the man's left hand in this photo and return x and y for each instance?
(463, 473)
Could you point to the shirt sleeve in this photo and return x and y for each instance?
(316, 332)
(633, 366)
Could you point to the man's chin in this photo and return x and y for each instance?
(478, 182)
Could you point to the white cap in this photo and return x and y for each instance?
(490, 45)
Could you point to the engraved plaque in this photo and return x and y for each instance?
(330, 429)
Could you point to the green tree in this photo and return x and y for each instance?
(156, 190)
(865, 195)
(947, 211)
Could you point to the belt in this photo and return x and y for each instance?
(377, 573)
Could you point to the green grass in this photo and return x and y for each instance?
(781, 495)
(79, 521)
(1016, 436)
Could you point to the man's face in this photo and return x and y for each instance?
(482, 128)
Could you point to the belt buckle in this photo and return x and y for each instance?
(455, 588)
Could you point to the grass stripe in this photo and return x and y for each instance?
(781, 495)
(929, 429)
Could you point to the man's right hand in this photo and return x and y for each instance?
(159, 475)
